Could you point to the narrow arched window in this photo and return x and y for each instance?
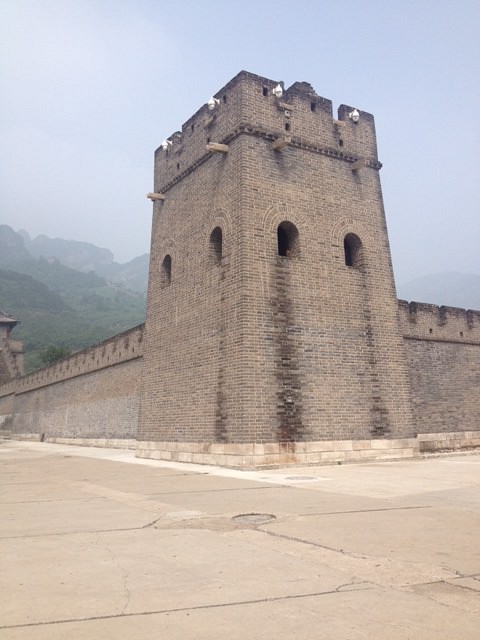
(287, 239)
(166, 271)
(352, 246)
(216, 245)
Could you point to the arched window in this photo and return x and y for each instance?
(216, 245)
(287, 238)
(352, 246)
(166, 271)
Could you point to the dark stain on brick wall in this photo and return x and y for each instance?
(289, 398)
(379, 412)
(221, 434)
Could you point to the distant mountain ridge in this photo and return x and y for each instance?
(58, 305)
(86, 257)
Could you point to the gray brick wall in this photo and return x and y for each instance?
(93, 394)
(99, 404)
(443, 347)
(264, 348)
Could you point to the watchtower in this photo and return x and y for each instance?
(272, 332)
(11, 351)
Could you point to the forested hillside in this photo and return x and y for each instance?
(57, 305)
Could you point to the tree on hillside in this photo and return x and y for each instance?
(52, 354)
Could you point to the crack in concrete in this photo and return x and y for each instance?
(334, 513)
(75, 533)
(379, 509)
(152, 523)
(218, 605)
(15, 484)
(380, 571)
(124, 575)
(201, 523)
(343, 588)
(433, 597)
(460, 586)
(41, 501)
(194, 491)
(311, 543)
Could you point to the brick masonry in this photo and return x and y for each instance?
(443, 350)
(273, 333)
(261, 347)
(92, 396)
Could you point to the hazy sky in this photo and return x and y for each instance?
(89, 89)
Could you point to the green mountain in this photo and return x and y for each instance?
(58, 305)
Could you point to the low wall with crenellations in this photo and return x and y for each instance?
(120, 348)
(443, 352)
(92, 397)
(423, 321)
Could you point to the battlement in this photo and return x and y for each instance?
(120, 348)
(423, 321)
(248, 105)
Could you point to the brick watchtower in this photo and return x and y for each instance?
(11, 351)
(272, 331)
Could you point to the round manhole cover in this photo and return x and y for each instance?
(254, 518)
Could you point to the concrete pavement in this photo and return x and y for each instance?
(97, 544)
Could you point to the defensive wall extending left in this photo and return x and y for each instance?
(92, 398)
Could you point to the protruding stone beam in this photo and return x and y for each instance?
(156, 196)
(282, 142)
(216, 147)
(359, 164)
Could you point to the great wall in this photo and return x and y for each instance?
(273, 332)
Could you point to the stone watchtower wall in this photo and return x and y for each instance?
(92, 397)
(272, 331)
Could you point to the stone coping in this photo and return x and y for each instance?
(448, 441)
(273, 454)
(254, 455)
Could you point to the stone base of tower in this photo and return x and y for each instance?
(249, 455)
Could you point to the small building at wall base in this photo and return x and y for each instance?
(273, 333)
(11, 351)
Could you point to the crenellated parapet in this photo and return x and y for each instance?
(256, 106)
(113, 351)
(423, 321)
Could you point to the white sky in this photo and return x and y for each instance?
(91, 87)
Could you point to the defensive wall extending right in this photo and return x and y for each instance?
(443, 351)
